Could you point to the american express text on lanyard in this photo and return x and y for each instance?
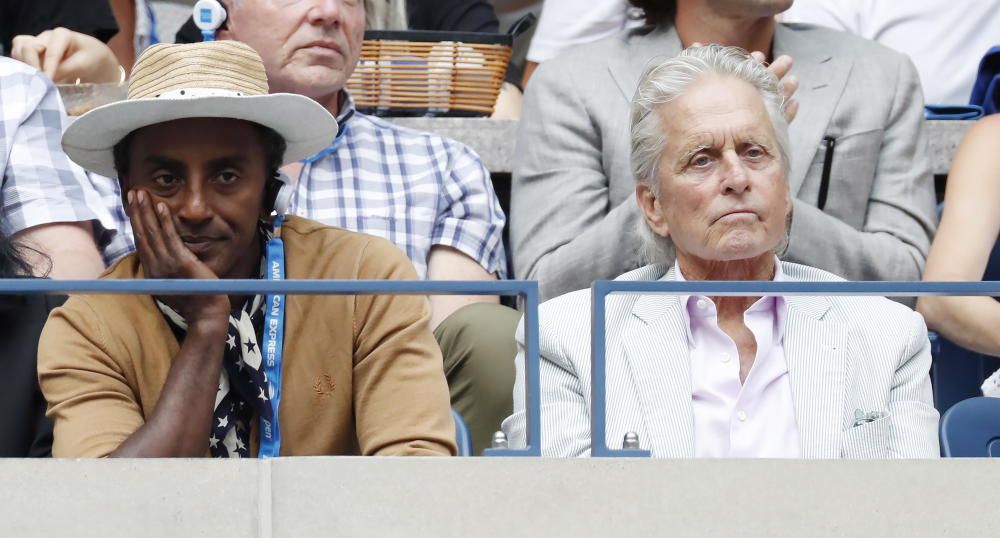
(274, 336)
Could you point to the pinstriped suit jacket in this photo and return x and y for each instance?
(843, 354)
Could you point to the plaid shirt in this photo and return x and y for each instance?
(40, 184)
(414, 189)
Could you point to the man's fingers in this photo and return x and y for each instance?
(55, 50)
(144, 213)
(791, 109)
(789, 86)
(759, 56)
(171, 239)
(781, 65)
(27, 49)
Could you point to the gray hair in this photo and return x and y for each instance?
(666, 82)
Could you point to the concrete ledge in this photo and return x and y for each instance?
(493, 140)
(386, 497)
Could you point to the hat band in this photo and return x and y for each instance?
(195, 93)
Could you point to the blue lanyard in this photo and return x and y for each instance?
(274, 335)
(329, 150)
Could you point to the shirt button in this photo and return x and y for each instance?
(702, 304)
(725, 357)
(742, 416)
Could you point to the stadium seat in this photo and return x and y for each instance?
(462, 436)
(971, 429)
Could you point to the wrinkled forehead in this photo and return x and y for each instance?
(717, 111)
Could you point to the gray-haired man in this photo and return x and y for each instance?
(729, 376)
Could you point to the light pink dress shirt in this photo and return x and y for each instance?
(752, 420)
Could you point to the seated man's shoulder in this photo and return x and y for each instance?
(844, 44)
(573, 309)
(337, 253)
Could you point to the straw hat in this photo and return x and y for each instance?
(214, 79)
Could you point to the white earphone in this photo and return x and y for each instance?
(283, 200)
(208, 17)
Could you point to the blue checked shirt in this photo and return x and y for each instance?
(40, 184)
(415, 189)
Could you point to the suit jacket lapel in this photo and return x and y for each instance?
(822, 78)
(656, 351)
(660, 43)
(814, 352)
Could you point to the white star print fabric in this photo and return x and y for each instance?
(243, 388)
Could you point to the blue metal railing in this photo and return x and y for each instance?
(527, 290)
(602, 288)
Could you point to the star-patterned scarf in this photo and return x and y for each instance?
(244, 392)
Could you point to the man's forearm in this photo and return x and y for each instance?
(62, 250)
(181, 423)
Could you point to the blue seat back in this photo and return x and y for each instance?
(462, 436)
(971, 429)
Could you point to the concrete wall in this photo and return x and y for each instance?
(302, 497)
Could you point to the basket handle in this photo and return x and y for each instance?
(522, 25)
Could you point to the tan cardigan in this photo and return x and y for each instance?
(361, 375)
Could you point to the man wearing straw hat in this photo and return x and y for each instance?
(429, 195)
(197, 146)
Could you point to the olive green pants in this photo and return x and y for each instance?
(477, 342)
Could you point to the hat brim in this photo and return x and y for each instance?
(305, 125)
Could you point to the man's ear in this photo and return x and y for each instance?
(225, 32)
(649, 204)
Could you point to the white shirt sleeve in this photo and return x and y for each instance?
(565, 23)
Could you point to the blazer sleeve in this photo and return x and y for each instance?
(563, 232)
(913, 431)
(401, 401)
(91, 404)
(900, 217)
(565, 414)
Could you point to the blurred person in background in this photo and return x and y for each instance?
(430, 195)
(432, 15)
(31, 17)
(968, 233)
(564, 25)
(860, 172)
(26, 431)
(728, 377)
(944, 38)
(47, 203)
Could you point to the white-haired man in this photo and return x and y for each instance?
(820, 377)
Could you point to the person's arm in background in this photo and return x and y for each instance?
(901, 216)
(123, 44)
(468, 235)
(565, 23)
(969, 229)
(66, 56)
(32, 17)
(47, 202)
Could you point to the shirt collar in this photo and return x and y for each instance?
(688, 302)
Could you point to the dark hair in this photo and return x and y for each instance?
(274, 151)
(12, 262)
(657, 11)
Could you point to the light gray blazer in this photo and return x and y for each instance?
(573, 210)
(843, 354)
